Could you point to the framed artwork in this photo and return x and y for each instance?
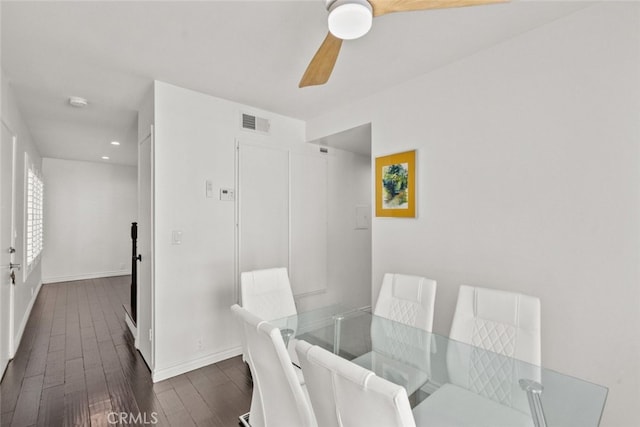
(396, 185)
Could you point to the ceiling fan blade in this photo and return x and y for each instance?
(382, 7)
(321, 66)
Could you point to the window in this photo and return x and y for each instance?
(34, 221)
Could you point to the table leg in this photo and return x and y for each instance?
(534, 391)
(337, 329)
(286, 336)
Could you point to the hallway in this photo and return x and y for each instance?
(77, 365)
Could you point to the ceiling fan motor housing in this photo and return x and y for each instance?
(349, 19)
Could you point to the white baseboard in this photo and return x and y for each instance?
(181, 368)
(23, 324)
(86, 276)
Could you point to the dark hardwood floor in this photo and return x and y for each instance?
(77, 366)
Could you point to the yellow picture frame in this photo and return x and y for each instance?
(396, 185)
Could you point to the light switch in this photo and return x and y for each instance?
(209, 189)
(176, 237)
(362, 217)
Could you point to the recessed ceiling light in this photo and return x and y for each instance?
(105, 157)
(115, 143)
(78, 102)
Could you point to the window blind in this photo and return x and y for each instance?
(34, 232)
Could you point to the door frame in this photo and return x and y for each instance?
(143, 334)
(10, 351)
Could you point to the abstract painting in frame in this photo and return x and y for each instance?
(396, 185)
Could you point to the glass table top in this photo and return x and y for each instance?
(447, 379)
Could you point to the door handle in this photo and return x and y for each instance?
(12, 266)
(139, 257)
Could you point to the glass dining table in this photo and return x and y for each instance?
(450, 382)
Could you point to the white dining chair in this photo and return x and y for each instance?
(344, 394)
(492, 331)
(504, 322)
(401, 348)
(407, 299)
(267, 294)
(278, 399)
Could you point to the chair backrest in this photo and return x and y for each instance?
(344, 394)
(407, 299)
(278, 399)
(267, 293)
(504, 322)
(402, 343)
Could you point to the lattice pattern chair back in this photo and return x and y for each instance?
(407, 299)
(344, 394)
(278, 399)
(267, 293)
(508, 325)
(401, 342)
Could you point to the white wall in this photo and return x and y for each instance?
(195, 138)
(25, 290)
(88, 211)
(528, 157)
(348, 247)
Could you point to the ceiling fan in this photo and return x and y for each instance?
(351, 19)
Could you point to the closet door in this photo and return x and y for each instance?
(263, 207)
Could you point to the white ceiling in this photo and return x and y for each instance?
(249, 52)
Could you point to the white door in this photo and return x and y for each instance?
(145, 249)
(7, 244)
(263, 206)
(282, 213)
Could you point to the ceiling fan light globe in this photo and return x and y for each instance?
(351, 19)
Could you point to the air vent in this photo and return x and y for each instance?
(257, 124)
(248, 122)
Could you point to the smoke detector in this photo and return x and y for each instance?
(77, 102)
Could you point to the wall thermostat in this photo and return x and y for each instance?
(227, 194)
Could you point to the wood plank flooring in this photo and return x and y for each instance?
(77, 364)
